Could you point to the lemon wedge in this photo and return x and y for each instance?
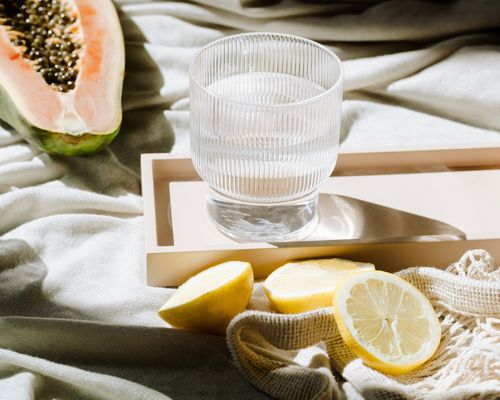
(209, 300)
(307, 285)
(386, 321)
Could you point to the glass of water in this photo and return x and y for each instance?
(264, 121)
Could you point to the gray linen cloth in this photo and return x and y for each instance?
(77, 320)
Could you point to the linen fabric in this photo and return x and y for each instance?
(77, 319)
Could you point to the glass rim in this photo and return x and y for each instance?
(331, 53)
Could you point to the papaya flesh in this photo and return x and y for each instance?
(61, 73)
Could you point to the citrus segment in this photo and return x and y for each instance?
(307, 285)
(209, 300)
(386, 321)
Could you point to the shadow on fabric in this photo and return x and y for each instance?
(21, 277)
(144, 128)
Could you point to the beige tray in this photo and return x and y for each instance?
(180, 240)
(418, 159)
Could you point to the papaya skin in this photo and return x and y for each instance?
(53, 142)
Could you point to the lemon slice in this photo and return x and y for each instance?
(209, 300)
(386, 321)
(306, 285)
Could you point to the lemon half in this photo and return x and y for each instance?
(209, 300)
(307, 285)
(386, 321)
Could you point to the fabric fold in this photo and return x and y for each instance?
(63, 381)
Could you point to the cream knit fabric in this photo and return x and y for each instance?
(303, 357)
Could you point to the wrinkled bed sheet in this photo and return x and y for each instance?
(77, 320)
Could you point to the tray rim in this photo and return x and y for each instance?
(393, 158)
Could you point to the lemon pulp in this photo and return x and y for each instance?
(307, 285)
(386, 321)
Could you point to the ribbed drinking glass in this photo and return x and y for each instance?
(264, 121)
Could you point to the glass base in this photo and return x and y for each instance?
(257, 222)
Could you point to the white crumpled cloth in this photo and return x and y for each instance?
(77, 320)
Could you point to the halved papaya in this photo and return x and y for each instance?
(61, 73)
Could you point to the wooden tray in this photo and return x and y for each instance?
(418, 159)
(180, 240)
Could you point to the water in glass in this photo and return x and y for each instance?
(264, 141)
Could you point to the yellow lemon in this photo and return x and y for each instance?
(306, 285)
(209, 300)
(386, 321)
